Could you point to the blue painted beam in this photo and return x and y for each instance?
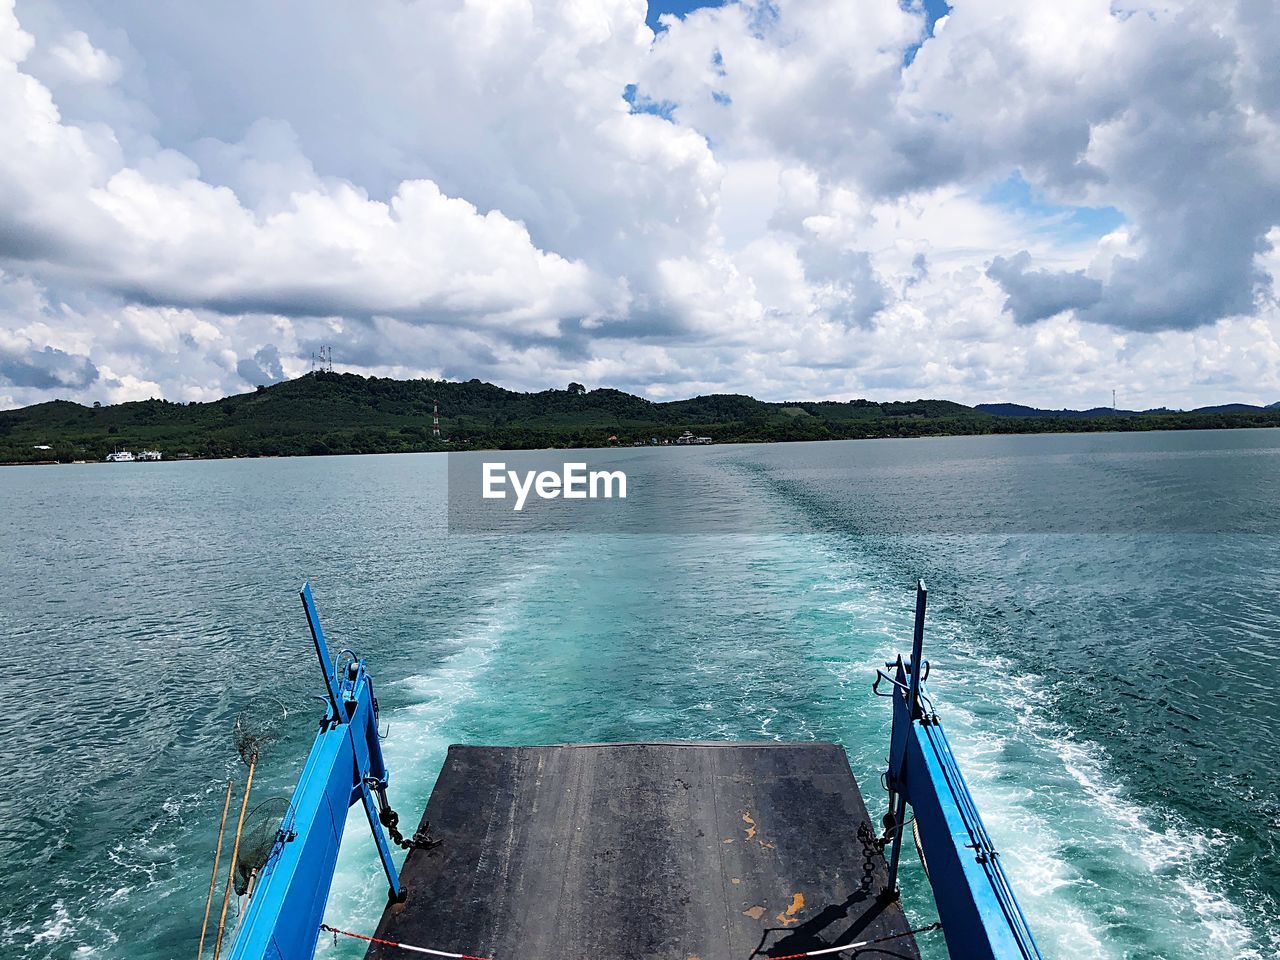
(322, 648)
(282, 921)
(980, 915)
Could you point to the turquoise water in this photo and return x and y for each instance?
(1112, 695)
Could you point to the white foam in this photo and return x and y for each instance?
(1056, 808)
(414, 750)
(1164, 862)
(58, 927)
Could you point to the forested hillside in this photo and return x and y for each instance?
(323, 413)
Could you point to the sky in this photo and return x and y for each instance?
(1037, 202)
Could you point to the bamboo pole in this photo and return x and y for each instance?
(213, 877)
(235, 854)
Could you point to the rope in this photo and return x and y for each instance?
(790, 956)
(213, 880)
(403, 946)
(936, 925)
(915, 835)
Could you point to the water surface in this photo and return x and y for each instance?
(1106, 665)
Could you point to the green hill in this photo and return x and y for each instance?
(324, 413)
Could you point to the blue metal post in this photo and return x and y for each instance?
(917, 649)
(913, 712)
(322, 649)
(395, 892)
(370, 769)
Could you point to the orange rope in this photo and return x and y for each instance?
(466, 956)
(403, 946)
(856, 946)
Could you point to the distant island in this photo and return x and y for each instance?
(342, 413)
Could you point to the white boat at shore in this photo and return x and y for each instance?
(688, 439)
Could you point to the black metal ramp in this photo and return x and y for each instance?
(671, 851)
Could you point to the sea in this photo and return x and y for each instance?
(1103, 633)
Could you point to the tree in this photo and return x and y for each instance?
(577, 389)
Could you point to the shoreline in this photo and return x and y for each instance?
(467, 448)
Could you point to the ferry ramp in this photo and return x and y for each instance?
(662, 851)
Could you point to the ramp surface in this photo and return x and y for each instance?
(670, 851)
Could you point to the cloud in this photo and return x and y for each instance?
(153, 231)
(845, 283)
(192, 203)
(1166, 112)
(46, 368)
(78, 60)
(1041, 294)
(263, 368)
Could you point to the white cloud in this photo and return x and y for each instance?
(79, 61)
(191, 203)
(155, 231)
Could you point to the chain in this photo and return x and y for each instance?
(421, 840)
(869, 851)
(884, 841)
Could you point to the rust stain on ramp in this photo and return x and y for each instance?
(788, 916)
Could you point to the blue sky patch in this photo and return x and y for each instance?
(679, 7)
(642, 104)
(934, 10)
(1069, 222)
